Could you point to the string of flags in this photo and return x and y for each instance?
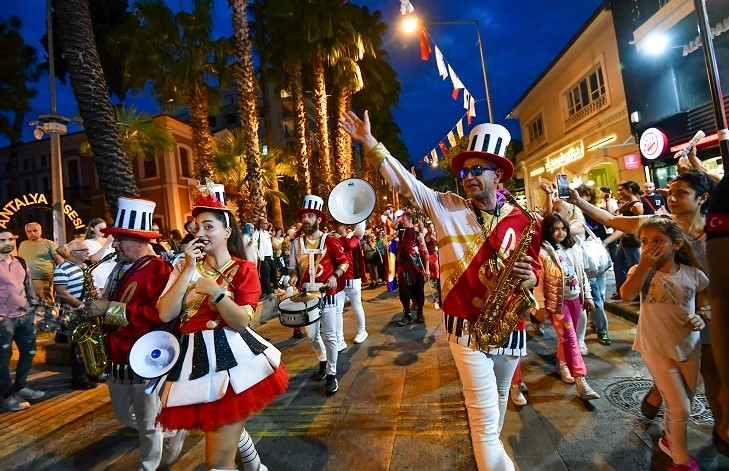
(450, 138)
(444, 67)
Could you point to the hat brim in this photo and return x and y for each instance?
(502, 162)
(131, 233)
(320, 214)
(201, 209)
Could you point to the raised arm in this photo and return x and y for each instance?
(627, 224)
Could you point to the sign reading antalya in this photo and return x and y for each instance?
(31, 199)
(564, 156)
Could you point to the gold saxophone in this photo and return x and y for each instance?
(89, 334)
(509, 297)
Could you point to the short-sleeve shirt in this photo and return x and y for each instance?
(39, 257)
(670, 297)
(71, 275)
(652, 203)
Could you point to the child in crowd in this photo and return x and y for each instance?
(563, 292)
(671, 288)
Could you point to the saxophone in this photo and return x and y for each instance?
(89, 334)
(509, 297)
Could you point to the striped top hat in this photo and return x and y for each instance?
(487, 141)
(312, 204)
(210, 196)
(134, 219)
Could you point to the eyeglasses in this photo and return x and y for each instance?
(80, 250)
(476, 170)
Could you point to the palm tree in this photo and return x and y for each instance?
(18, 69)
(87, 81)
(229, 159)
(177, 55)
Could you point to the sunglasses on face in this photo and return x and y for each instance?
(476, 170)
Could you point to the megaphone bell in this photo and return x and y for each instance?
(154, 354)
(352, 201)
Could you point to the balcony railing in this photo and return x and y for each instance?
(588, 110)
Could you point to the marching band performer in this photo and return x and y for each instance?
(472, 232)
(226, 372)
(319, 260)
(131, 294)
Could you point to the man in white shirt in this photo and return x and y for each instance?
(266, 270)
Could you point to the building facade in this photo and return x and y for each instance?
(574, 118)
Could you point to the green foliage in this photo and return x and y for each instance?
(18, 68)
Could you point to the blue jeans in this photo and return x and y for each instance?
(625, 258)
(597, 287)
(22, 331)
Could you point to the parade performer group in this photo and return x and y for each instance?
(471, 232)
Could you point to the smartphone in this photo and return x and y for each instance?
(563, 186)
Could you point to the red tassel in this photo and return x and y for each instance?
(424, 45)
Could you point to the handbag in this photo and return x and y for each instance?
(596, 259)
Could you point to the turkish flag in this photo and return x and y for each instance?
(424, 45)
(443, 148)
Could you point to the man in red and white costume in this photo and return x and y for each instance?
(131, 293)
(471, 232)
(318, 260)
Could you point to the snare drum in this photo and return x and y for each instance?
(300, 310)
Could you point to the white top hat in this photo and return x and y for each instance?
(487, 141)
(312, 204)
(209, 196)
(134, 218)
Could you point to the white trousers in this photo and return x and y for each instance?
(328, 349)
(135, 409)
(476, 370)
(353, 291)
(504, 367)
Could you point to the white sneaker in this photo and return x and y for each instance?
(517, 397)
(583, 348)
(30, 394)
(564, 372)
(361, 336)
(15, 403)
(584, 391)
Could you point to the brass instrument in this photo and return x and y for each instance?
(509, 297)
(89, 334)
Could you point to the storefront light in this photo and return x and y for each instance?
(601, 142)
(536, 171)
(656, 44)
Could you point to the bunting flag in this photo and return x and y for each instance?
(459, 128)
(443, 148)
(440, 62)
(471, 110)
(424, 45)
(457, 84)
(406, 7)
(466, 98)
(451, 138)
(434, 157)
(426, 159)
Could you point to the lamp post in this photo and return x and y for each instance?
(412, 22)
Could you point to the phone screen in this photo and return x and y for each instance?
(563, 186)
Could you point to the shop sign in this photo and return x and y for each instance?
(631, 161)
(32, 199)
(653, 143)
(564, 156)
(719, 28)
(536, 171)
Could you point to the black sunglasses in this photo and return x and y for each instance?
(476, 170)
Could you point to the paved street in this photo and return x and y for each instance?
(399, 407)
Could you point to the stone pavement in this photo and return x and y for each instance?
(399, 407)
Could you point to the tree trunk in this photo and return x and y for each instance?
(324, 169)
(89, 87)
(342, 139)
(247, 110)
(276, 213)
(303, 150)
(202, 139)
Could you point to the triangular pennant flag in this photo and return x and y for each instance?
(420, 164)
(433, 156)
(451, 138)
(459, 128)
(426, 159)
(466, 98)
(457, 84)
(440, 62)
(424, 45)
(406, 7)
(443, 148)
(471, 110)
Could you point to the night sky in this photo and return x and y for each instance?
(521, 38)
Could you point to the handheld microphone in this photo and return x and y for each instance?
(695, 140)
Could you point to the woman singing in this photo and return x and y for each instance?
(226, 372)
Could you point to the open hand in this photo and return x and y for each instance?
(359, 129)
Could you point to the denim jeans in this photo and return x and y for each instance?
(625, 258)
(22, 331)
(597, 287)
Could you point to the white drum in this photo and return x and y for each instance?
(300, 310)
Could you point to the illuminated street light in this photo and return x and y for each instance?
(412, 23)
(656, 44)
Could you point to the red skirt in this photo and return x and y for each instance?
(229, 409)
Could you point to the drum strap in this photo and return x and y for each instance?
(312, 253)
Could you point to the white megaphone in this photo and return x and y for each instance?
(153, 355)
(352, 201)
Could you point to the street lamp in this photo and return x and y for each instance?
(412, 23)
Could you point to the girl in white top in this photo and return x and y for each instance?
(672, 289)
(99, 247)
